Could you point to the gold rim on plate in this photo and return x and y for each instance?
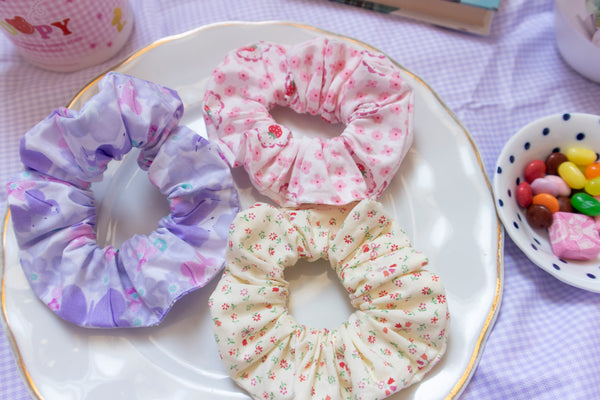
(459, 386)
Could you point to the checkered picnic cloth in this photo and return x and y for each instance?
(545, 341)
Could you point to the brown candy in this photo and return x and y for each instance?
(564, 204)
(553, 161)
(539, 216)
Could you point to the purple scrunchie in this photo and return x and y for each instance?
(53, 210)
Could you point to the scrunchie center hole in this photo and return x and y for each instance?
(126, 203)
(317, 299)
(306, 125)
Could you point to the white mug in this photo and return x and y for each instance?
(66, 35)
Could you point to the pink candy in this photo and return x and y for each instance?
(574, 236)
(544, 185)
(550, 184)
(560, 184)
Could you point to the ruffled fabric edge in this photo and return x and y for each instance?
(396, 335)
(361, 89)
(54, 216)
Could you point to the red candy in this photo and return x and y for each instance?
(535, 169)
(524, 194)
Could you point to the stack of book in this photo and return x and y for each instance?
(474, 16)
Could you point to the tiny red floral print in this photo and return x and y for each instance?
(348, 239)
(441, 298)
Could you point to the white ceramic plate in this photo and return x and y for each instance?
(441, 196)
(536, 141)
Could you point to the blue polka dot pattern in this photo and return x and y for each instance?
(548, 135)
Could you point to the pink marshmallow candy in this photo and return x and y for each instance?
(574, 236)
(544, 185)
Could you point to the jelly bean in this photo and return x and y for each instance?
(581, 156)
(593, 170)
(572, 175)
(524, 194)
(564, 204)
(538, 216)
(543, 185)
(592, 186)
(553, 161)
(535, 169)
(547, 200)
(563, 188)
(586, 204)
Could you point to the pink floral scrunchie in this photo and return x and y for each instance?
(361, 89)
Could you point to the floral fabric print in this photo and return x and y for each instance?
(395, 336)
(53, 210)
(361, 89)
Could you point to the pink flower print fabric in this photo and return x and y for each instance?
(53, 210)
(395, 336)
(362, 89)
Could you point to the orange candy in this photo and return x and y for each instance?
(546, 200)
(592, 170)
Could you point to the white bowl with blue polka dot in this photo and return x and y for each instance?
(536, 141)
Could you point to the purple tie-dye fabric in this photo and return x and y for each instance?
(53, 211)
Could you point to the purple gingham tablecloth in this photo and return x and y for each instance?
(545, 341)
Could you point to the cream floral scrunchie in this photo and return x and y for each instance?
(395, 336)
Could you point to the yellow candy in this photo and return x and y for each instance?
(592, 186)
(581, 156)
(572, 175)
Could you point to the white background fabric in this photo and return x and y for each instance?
(545, 342)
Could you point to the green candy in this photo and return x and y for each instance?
(585, 204)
